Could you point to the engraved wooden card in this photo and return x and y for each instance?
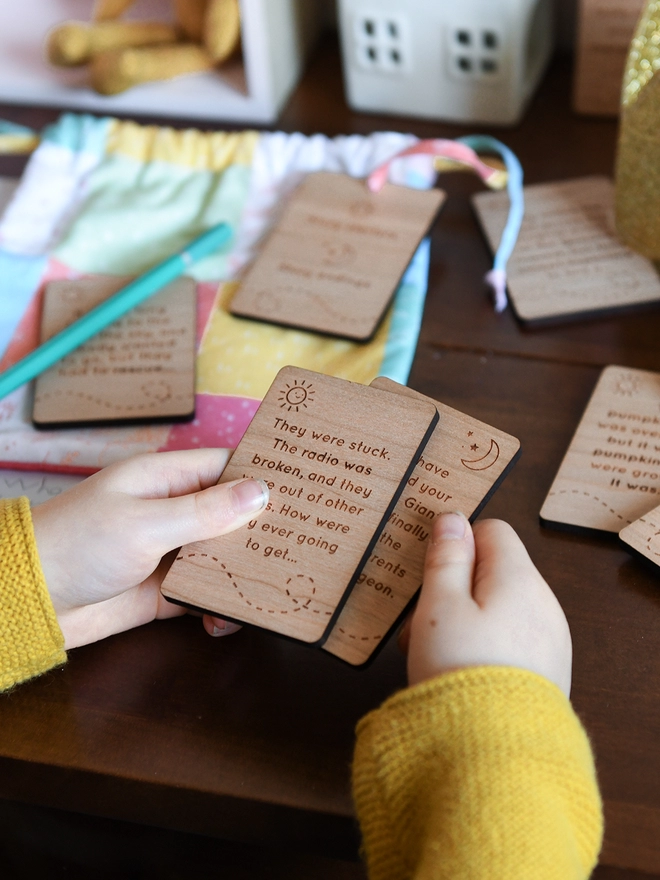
(643, 536)
(141, 368)
(605, 29)
(334, 259)
(461, 466)
(568, 262)
(610, 475)
(336, 456)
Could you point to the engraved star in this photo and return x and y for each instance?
(474, 447)
(470, 433)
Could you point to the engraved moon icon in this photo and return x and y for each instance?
(486, 461)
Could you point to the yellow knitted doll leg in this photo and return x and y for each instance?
(76, 42)
(114, 72)
(222, 29)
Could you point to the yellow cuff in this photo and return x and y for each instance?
(31, 641)
(482, 772)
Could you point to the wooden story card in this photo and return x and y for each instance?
(336, 455)
(335, 257)
(568, 262)
(605, 30)
(141, 368)
(610, 475)
(643, 536)
(461, 466)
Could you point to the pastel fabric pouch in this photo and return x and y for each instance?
(114, 197)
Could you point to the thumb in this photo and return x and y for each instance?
(450, 558)
(198, 516)
(446, 594)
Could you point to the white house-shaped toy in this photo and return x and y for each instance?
(455, 60)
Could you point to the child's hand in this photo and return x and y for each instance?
(102, 543)
(484, 603)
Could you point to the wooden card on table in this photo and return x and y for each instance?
(336, 456)
(461, 466)
(335, 257)
(605, 30)
(643, 536)
(610, 475)
(141, 368)
(568, 262)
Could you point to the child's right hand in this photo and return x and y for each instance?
(104, 545)
(484, 603)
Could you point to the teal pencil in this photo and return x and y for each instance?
(123, 301)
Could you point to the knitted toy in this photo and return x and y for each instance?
(638, 158)
(122, 54)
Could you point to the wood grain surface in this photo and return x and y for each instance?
(336, 255)
(605, 30)
(642, 535)
(141, 368)
(250, 737)
(568, 262)
(334, 468)
(610, 474)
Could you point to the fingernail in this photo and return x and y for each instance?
(451, 527)
(224, 628)
(250, 496)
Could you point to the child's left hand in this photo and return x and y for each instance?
(102, 543)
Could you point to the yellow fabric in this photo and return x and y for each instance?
(205, 151)
(481, 773)
(30, 638)
(242, 357)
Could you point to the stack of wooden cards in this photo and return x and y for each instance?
(356, 476)
(333, 261)
(568, 262)
(141, 368)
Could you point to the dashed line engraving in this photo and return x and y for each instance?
(305, 605)
(604, 504)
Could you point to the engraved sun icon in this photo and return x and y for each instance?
(627, 385)
(297, 395)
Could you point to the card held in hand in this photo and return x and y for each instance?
(336, 255)
(461, 466)
(336, 456)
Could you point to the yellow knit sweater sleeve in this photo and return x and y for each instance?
(485, 772)
(30, 638)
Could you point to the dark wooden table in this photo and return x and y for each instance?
(249, 738)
